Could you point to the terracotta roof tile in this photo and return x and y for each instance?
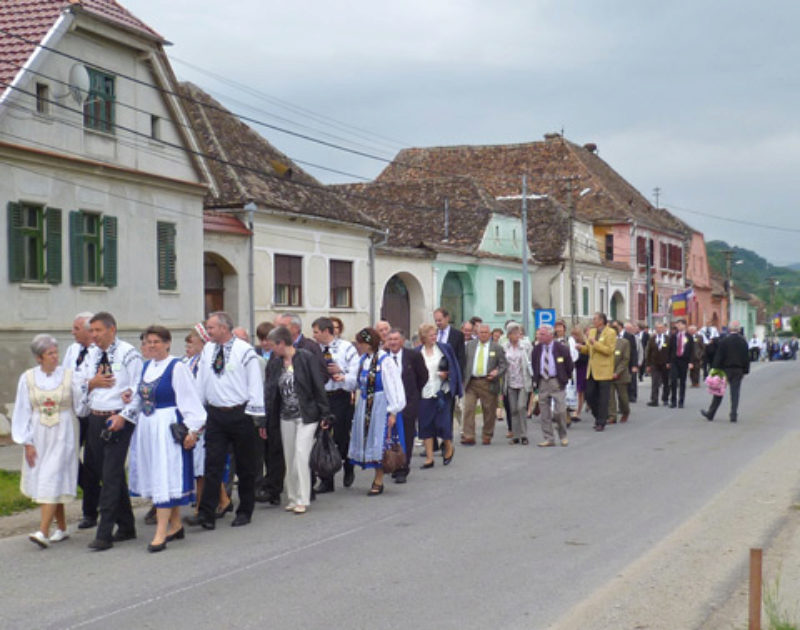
(553, 166)
(30, 20)
(225, 223)
(246, 167)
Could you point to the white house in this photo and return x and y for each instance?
(102, 193)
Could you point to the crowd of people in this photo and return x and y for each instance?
(177, 431)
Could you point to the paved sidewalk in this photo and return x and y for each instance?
(10, 456)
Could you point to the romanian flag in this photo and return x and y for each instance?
(777, 322)
(679, 302)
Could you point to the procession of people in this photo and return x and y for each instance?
(178, 430)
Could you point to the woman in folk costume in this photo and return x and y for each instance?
(379, 398)
(164, 469)
(48, 400)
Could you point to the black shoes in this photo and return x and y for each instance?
(197, 519)
(156, 548)
(98, 544)
(733, 418)
(178, 535)
(325, 485)
(427, 465)
(706, 415)
(150, 517)
(672, 405)
(349, 475)
(401, 476)
(123, 536)
(222, 513)
(87, 522)
(680, 405)
(447, 460)
(240, 520)
(652, 404)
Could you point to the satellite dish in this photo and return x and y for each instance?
(79, 83)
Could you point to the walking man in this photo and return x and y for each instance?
(621, 380)
(681, 347)
(486, 363)
(552, 368)
(733, 358)
(600, 345)
(657, 357)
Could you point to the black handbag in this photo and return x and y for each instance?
(325, 459)
(179, 432)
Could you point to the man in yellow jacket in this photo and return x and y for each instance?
(600, 345)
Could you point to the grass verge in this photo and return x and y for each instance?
(11, 499)
(778, 618)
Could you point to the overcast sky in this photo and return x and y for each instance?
(698, 98)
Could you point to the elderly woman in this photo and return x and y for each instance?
(580, 369)
(436, 402)
(517, 382)
(379, 398)
(295, 395)
(48, 400)
(163, 469)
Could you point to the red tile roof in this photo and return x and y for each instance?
(225, 223)
(24, 23)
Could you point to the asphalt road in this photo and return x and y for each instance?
(505, 537)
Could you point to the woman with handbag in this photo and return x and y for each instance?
(170, 415)
(48, 399)
(295, 393)
(379, 398)
(436, 402)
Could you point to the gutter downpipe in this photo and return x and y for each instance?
(372, 245)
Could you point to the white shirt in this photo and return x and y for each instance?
(432, 362)
(187, 399)
(126, 364)
(443, 335)
(345, 356)
(475, 366)
(392, 382)
(240, 381)
(71, 356)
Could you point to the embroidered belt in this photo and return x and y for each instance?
(97, 412)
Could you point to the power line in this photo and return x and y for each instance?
(763, 226)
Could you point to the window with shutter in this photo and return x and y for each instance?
(500, 297)
(288, 280)
(516, 297)
(29, 229)
(92, 249)
(110, 251)
(341, 282)
(641, 250)
(167, 276)
(609, 247)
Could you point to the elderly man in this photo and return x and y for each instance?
(230, 383)
(341, 360)
(552, 368)
(113, 369)
(600, 345)
(486, 364)
(733, 358)
(456, 339)
(74, 358)
(698, 350)
(621, 379)
(635, 352)
(657, 359)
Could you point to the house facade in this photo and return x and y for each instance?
(103, 198)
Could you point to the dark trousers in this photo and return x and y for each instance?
(597, 396)
(271, 482)
(633, 388)
(734, 377)
(341, 408)
(87, 480)
(660, 378)
(226, 428)
(106, 461)
(754, 354)
(409, 431)
(677, 380)
(694, 374)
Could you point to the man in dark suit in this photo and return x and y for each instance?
(552, 369)
(453, 337)
(415, 375)
(681, 350)
(486, 363)
(699, 348)
(733, 358)
(633, 362)
(644, 337)
(657, 360)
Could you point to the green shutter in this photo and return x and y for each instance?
(53, 245)
(167, 276)
(16, 251)
(76, 247)
(110, 251)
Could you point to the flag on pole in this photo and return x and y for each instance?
(679, 301)
(777, 322)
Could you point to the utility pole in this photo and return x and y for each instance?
(573, 289)
(526, 305)
(771, 314)
(657, 193)
(729, 277)
(446, 218)
(649, 287)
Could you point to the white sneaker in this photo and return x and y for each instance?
(59, 535)
(40, 539)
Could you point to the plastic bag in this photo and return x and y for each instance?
(325, 459)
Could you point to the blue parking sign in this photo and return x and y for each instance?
(543, 316)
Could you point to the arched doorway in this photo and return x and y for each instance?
(453, 297)
(219, 284)
(395, 306)
(617, 306)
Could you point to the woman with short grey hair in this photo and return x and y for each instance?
(48, 399)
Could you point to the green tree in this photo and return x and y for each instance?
(794, 322)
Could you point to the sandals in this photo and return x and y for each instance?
(375, 490)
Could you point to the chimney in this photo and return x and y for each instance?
(591, 147)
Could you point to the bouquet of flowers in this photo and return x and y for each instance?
(716, 383)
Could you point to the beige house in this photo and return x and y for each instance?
(311, 252)
(103, 198)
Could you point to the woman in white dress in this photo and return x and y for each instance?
(379, 398)
(164, 469)
(48, 400)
